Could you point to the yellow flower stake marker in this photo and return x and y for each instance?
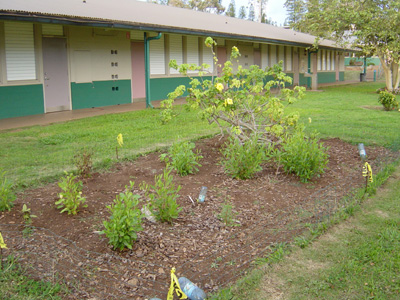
(120, 141)
(175, 287)
(367, 173)
(3, 246)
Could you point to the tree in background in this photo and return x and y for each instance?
(373, 26)
(252, 14)
(242, 12)
(211, 6)
(296, 10)
(231, 11)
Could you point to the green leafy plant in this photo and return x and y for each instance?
(239, 100)
(26, 214)
(83, 161)
(7, 196)
(243, 159)
(388, 100)
(70, 199)
(163, 195)
(302, 155)
(227, 215)
(125, 220)
(182, 158)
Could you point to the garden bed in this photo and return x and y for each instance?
(270, 208)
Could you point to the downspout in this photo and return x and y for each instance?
(147, 65)
(365, 65)
(309, 68)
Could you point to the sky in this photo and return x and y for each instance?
(275, 9)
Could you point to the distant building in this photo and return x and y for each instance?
(71, 54)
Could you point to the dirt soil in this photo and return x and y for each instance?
(198, 244)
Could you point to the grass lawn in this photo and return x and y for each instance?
(41, 153)
(358, 259)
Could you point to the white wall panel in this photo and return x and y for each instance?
(192, 48)
(137, 35)
(319, 58)
(52, 29)
(157, 58)
(20, 51)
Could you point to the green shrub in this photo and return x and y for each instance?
(83, 162)
(7, 196)
(125, 220)
(243, 160)
(182, 158)
(388, 100)
(163, 195)
(302, 155)
(71, 197)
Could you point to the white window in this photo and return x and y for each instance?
(192, 48)
(20, 51)
(289, 59)
(328, 60)
(264, 56)
(333, 60)
(208, 58)
(324, 60)
(157, 58)
(319, 60)
(175, 50)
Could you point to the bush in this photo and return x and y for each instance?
(243, 160)
(182, 158)
(125, 220)
(83, 162)
(163, 195)
(302, 155)
(71, 197)
(388, 100)
(7, 196)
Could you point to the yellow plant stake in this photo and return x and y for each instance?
(367, 173)
(120, 141)
(2, 245)
(175, 287)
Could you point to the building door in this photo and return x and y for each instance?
(222, 57)
(138, 72)
(55, 71)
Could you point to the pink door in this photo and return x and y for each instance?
(138, 71)
(222, 57)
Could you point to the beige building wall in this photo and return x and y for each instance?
(99, 54)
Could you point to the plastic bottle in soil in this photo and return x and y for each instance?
(202, 195)
(155, 299)
(191, 290)
(361, 150)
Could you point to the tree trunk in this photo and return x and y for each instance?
(396, 77)
(388, 74)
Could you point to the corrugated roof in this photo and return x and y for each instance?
(150, 16)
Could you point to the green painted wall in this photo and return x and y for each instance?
(21, 100)
(161, 87)
(100, 93)
(341, 76)
(326, 77)
(374, 60)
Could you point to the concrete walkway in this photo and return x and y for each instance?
(63, 116)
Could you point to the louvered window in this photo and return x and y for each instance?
(20, 51)
(157, 58)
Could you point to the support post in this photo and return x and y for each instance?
(147, 65)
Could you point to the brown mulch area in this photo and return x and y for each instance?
(200, 246)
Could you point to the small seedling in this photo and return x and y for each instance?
(71, 196)
(120, 141)
(227, 216)
(26, 214)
